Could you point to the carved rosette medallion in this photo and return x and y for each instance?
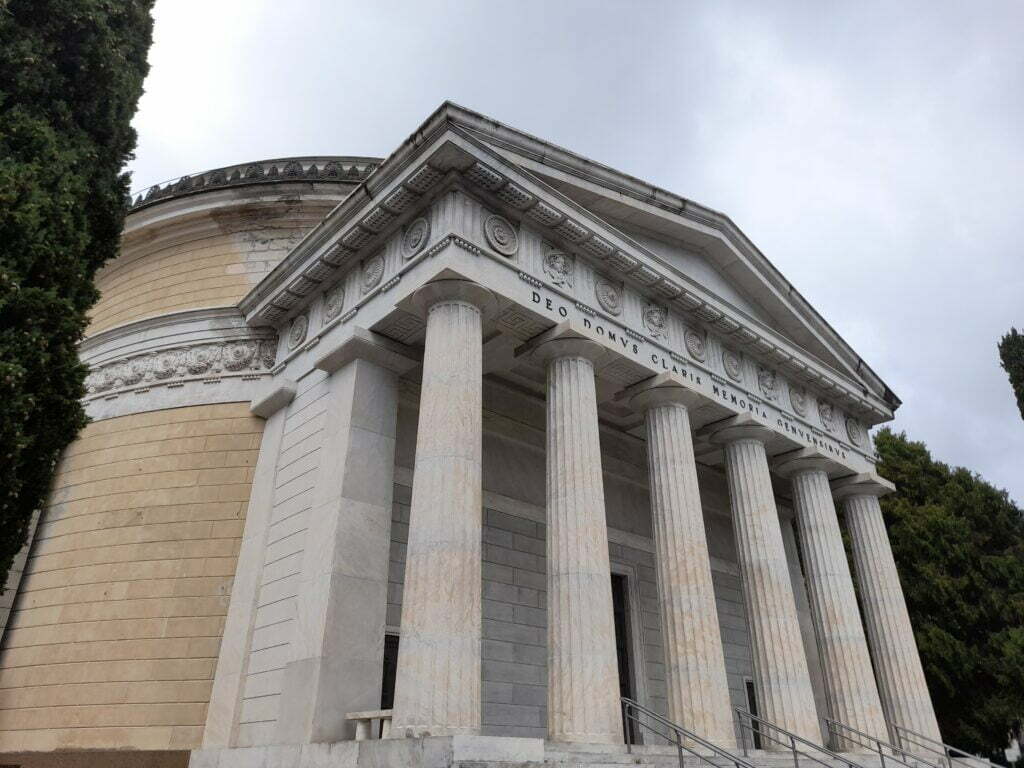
(373, 271)
(733, 364)
(559, 267)
(827, 414)
(239, 354)
(416, 236)
(695, 344)
(856, 432)
(200, 359)
(656, 320)
(798, 399)
(297, 333)
(609, 296)
(768, 382)
(501, 235)
(334, 300)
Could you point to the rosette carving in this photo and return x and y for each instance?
(501, 235)
(239, 354)
(297, 332)
(733, 364)
(334, 300)
(695, 344)
(373, 271)
(609, 296)
(416, 236)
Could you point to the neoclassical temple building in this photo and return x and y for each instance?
(431, 460)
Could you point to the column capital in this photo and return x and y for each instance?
(663, 389)
(362, 344)
(454, 289)
(564, 340)
(794, 463)
(864, 484)
(736, 428)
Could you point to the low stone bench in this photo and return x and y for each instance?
(364, 723)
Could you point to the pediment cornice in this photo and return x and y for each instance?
(409, 180)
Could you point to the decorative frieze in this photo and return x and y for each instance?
(174, 365)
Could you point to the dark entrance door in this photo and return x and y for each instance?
(620, 610)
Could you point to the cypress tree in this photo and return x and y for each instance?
(1011, 355)
(71, 74)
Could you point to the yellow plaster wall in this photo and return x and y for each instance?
(212, 260)
(114, 635)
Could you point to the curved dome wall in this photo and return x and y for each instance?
(115, 629)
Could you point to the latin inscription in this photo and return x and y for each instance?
(738, 400)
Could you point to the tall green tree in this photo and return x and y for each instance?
(959, 547)
(1011, 355)
(71, 74)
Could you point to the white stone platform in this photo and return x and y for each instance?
(479, 752)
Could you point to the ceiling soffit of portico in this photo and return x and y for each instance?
(367, 218)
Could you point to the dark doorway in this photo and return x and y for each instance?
(387, 688)
(755, 727)
(623, 650)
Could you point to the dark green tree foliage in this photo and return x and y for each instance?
(959, 546)
(1011, 354)
(71, 75)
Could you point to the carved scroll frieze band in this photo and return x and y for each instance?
(176, 365)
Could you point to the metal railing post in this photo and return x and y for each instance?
(796, 757)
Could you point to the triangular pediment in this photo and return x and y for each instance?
(669, 250)
(701, 243)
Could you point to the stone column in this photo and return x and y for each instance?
(698, 691)
(337, 645)
(583, 680)
(781, 677)
(437, 684)
(901, 680)
(849, 679)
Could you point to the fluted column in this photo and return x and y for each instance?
(849, 679)
(437, 685)
(781, 677)
(583, 681)
(901, 681)
(698, 691)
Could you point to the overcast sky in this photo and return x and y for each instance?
(873, 151)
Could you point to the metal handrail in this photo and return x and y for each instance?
(946, 751)
(631, 711)
(792, 738)
(875, 744)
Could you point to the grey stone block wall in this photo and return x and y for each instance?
(514, 647)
